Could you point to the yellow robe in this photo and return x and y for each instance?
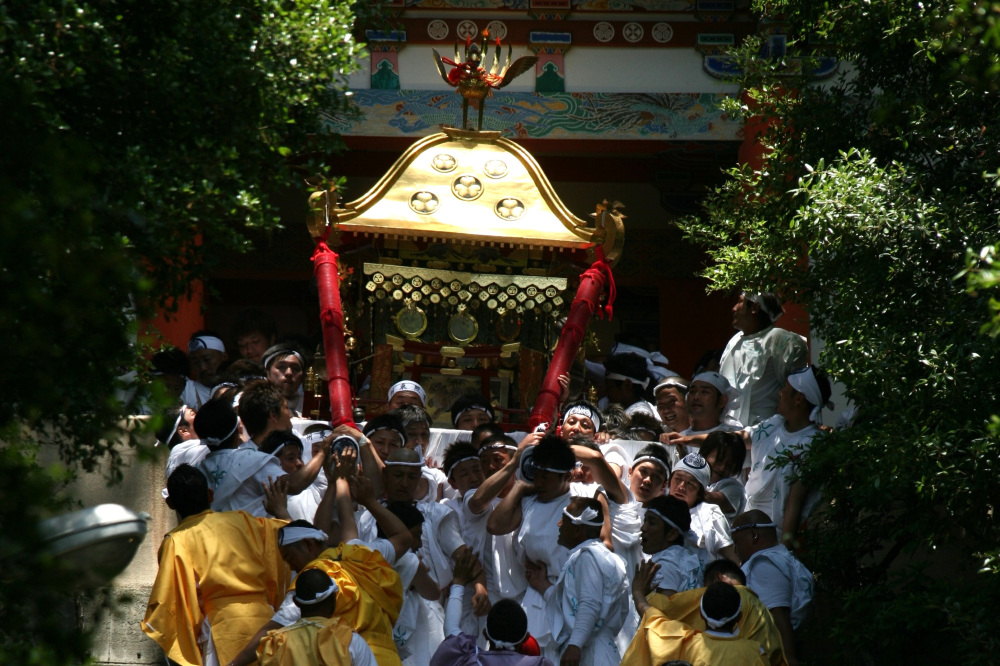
(660, 639)
(756, 622)
(225, 567)
(313, 640)
(370, 596)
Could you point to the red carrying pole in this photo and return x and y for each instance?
(584, 305)
(331, 316)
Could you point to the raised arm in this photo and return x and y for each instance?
(506, 517)
(394, 529)
(602, 472)
(302, 478)
(494, 485)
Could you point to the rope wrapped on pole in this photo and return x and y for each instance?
(586, 302)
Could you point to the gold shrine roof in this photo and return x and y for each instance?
(470, 187)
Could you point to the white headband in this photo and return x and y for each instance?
(688, 536)
(220, 387)
(289, 535)
(505, 645)
(206, 342)
(720, 383)
(283, 352)
(671, 381)
(496, 445)
(212, 442)
(750, 526)
(661, 463)
(759, 300)
(482, 408)
(325, 594)
(617, 377)
(177, 424)
(400, 463)
(402, 435)
(712, 622)
(804, 381)
(407, 385)
(583, 410)
(585, 518)
(455, 464)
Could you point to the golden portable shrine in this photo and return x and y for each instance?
(460, 269)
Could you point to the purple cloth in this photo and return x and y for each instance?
(461, 650)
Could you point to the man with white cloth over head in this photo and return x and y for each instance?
(588, 603)
(759, 358)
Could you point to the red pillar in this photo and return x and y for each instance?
(585, 303)
(331, 315)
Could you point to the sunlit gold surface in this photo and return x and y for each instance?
(423, 196)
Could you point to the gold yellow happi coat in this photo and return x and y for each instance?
(370, 596)
(755, 624)
(312, 640)
(224, 567)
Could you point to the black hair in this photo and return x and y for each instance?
(411, 414)
(724, 567)
(729, 448)
(578, 505)
(720, 601)
(502, 438)
(217, 419)
(579, 439)
(709, 361)
(643, 422)
(282, 350)
(310, 584)
(552, 451)
(657, 451)
(632, 366)
(471, 401)
(615, 421)
(278, 438)
(170, 361)
(388, 420)
(491, 429)
(407, 512)
(242, 371)
(771, 303)
(254, 321)
(676, 512)
(825, 390)
(507, 621)
(187, 489)
(259, 402)
(457, 451)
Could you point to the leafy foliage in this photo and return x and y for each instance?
(140, 140)
(873, 190)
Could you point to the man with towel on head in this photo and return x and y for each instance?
(406, 392)
(206, 352)
(759, 358)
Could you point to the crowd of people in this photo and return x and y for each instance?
(657, 526)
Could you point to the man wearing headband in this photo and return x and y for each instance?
(588, 603)
(206, 353)
(788, 434)
(470, 411)
(627, 381)
(707, 398)
(783, 583)
(506, 628)
(580, 418)
(237, 475)
(689, 482)
(406, 392)
(665, 531)
(205, 563)
(531, 511)
(720, 609)
(285, 367)
(671, 403)
(759, 358)
(317, 638)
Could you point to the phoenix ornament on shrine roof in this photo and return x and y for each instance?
(472, 80)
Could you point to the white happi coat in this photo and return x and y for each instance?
(237, 477)
(588, 605)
